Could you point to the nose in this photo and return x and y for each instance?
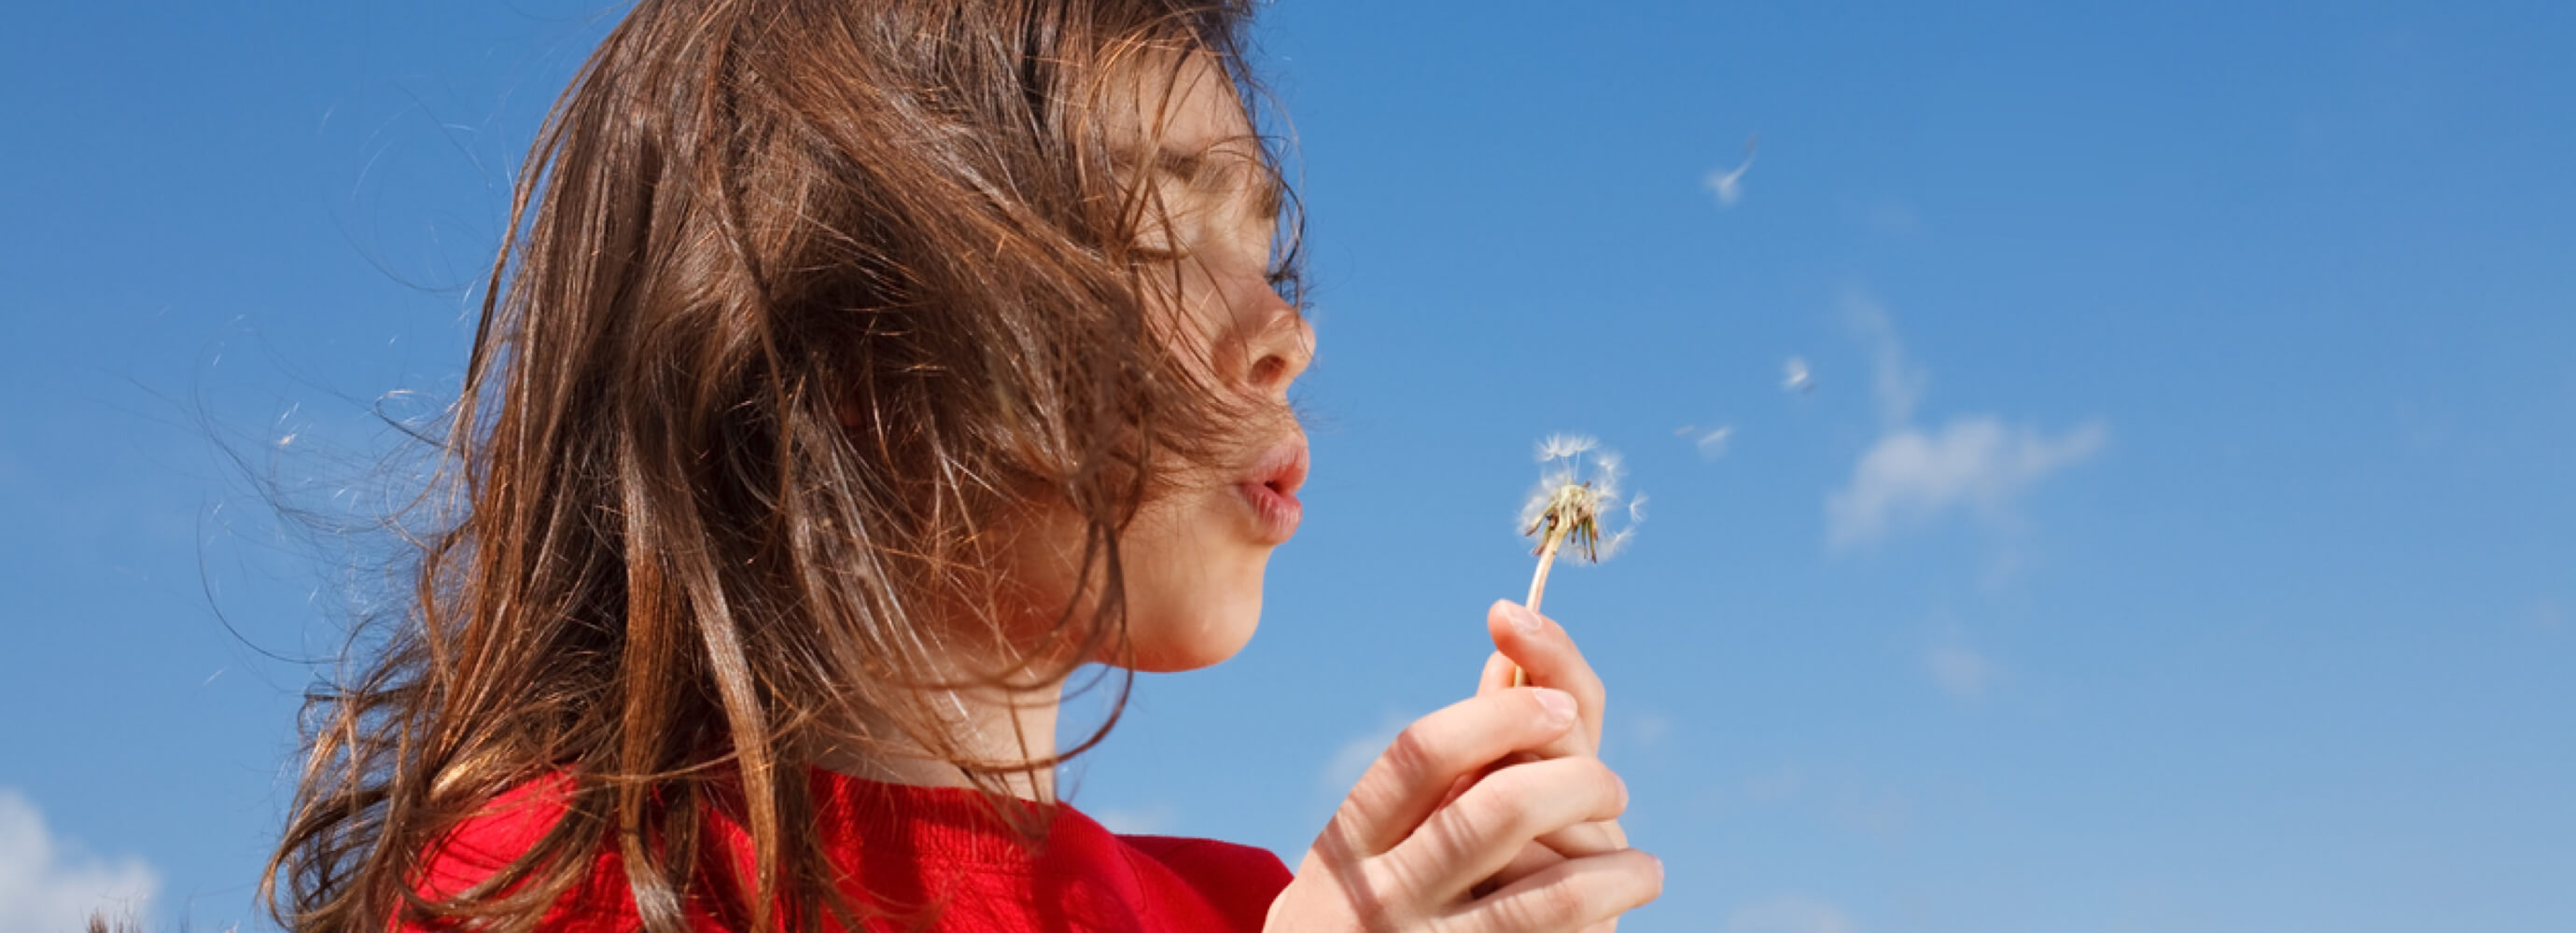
(1281, 346)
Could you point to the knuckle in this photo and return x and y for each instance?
(1415, 753)
(1450, 837)
(1507, 793)
(1374, 914)
(1505, 813)
(1399, 890)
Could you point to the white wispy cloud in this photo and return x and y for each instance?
(1777, 784)
(1961, 671)
(1790, 914)
(1896, 384)
(48, 885)
(1911, 475)
(1648, 729)
(2547, 616)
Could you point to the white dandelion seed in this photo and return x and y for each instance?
(1565, 447)
(1794, 376)
(1728, 184)
(1713, 443)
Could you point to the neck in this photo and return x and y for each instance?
(989, 724)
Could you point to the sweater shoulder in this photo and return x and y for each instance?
(1238, 880)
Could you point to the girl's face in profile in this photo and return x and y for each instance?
(1194, 556)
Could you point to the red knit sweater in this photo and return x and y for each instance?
(934, 854)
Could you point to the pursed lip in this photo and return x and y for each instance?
(1269, 490)
(1282, 467)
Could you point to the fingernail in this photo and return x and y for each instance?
(1558, 703)
(1659, 869)
(1523, 619)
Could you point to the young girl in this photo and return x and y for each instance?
(862, 368)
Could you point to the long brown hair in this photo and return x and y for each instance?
(801, 297)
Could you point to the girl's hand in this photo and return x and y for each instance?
(1403, 853)
(1546, 654)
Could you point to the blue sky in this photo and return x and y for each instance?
(2176, 533)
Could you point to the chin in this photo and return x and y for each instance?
(1196, 626)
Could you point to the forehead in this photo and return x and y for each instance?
(1180, 103)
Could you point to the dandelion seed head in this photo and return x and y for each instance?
(1535, 507)
(1573, 497)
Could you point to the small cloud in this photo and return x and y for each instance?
(1883, 216)
(1911, 477)
(1790, 914)
(1961, 672)
(1779, 783)
(1795, 377)
(1881, 815)
(1728, 184)
(1892, 217)
(1898, 384)
(1342, 771)
(1647, 729)
(1148, 820)
(48, 885)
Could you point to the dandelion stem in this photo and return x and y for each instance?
(1538, 581)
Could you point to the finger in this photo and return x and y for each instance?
(1540, 646)
(1471, 839)
(1532, 859)
(1582, 839)
(1498, 674)
(1570, 895)
(1573, 842)
(1427, 759)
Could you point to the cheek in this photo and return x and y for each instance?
(1035, 574)
(1194, 589)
